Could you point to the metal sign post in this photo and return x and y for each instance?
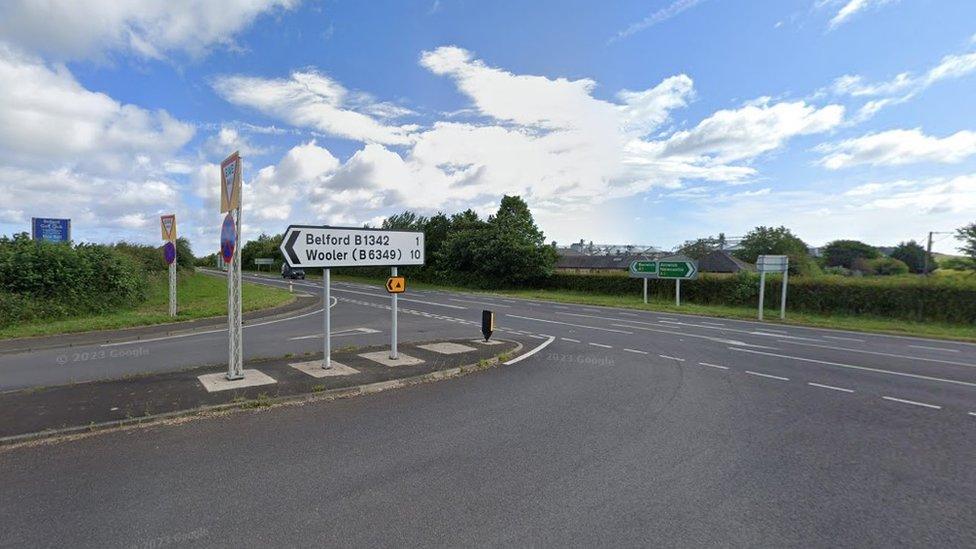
(393, 319)
(679, 268)
(677, 292)
(327, 319)
(167, 226)
(773, 264)
(645, 291)
(231, 202)
(307, 246)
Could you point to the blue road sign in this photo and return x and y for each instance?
(169, 252)
(50, 229)
(228, 238)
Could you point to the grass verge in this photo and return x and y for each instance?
(869, 324)
(198, 296)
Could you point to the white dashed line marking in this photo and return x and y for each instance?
(831, 387)
(571, 340)
(844, 338)
(713, 324)
(767, 375)
(601, 345)
(903, 401)
(672, 358)
(537, 336)
(972, 413)
(628, 314)
(714, 366)
(943, 349)
(636, 351)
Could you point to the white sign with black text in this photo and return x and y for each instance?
(316, 246)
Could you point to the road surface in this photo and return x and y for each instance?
(629, 428)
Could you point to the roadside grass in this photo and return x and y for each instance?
(198, 296)
(959, 332)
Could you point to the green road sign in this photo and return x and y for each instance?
(677, 269)
(643, 269)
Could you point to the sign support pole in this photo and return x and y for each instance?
(393, 319)
(172, 288)
(645, 291)
(235, 366)
(782, 300)
(677, 292)
(327, 319)
(762, 292)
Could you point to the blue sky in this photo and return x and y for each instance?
(637, 122)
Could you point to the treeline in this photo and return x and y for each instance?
(46, 280)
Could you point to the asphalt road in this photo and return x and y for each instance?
(629, 428)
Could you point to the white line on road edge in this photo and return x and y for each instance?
(883, 354)
(478, 302)
(385, 296)
(714, 366)
(636, 351)
(568, 324)
(831, 387)
(530, 353)
(767, 375)
(672, 358)
(843, 338)
(903, 401)
(570, 339)
(602, 345)
(935, 348)
(972, 413)
(853, 367)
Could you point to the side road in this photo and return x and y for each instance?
(81, 407)
(303, 303)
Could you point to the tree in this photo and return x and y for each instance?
(968, 236)
(911, 253)
(776, 241)
(843, 253)
(699, 248)
(265, 246)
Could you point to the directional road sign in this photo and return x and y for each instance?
(396, 284)
(680, 269)
(228, 238)
(317, 246)
(643, 269)
(169, 252)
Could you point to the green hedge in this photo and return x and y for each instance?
(43, 280)
(909, 298)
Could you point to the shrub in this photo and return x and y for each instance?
(888, 266)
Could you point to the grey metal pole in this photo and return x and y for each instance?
(393, 321)
(677, 292)
(327, 322)
(928, 252)
(172, 288)
(762, 292)
(645, 291)
(782, 299)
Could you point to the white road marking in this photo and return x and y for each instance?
(601, 345)
(682, 334)
(775, 331)
(934, 348)
(767, 375)
(536, 336)
(541, 346)
(713, 324)
(560, 306)
(477, 302)
(903, 401)
(972, 413)
(349, 331)
(570, 339)
(854, 367)
(672, 358)
(628, 314)
(401, 298)
(636, 351)
(831, 387)
(568, 324)
(714, 366)
(844, 338)
(883, 354)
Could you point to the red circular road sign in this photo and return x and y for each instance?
(228, 238)
(169, 252)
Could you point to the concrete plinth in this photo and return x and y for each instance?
(219, 382)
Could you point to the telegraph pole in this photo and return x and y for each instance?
(928, 251)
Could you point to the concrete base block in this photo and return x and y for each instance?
(447, 348)
(315, 369)
(383, 357)
(219, 382)
(489, 342)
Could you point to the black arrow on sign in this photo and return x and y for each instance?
(290, 249)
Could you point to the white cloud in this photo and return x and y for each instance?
(659, 16)
(898, 147)
(47, 118)
(851, 8)
(310, 99)
(76, 29)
